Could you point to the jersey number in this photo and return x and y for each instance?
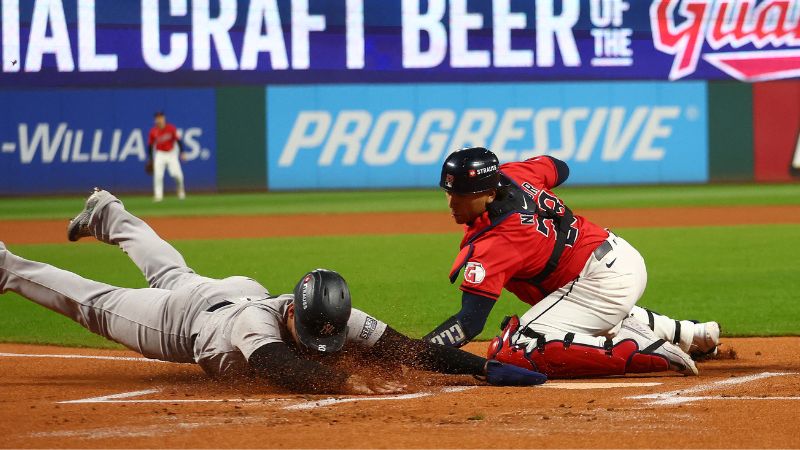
(551, 206)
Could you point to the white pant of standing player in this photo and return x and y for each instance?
(157, 322)
(597, 302)
(169, 160)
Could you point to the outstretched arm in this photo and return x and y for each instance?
(422, 354)
(282, 366)
(466, 324)
(426, 355)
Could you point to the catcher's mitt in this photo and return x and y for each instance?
(148, 167)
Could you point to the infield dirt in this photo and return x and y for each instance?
(747, 402)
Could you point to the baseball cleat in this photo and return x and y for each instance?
(679, 360)
(79, 226)
(651, 344)
(706, 340)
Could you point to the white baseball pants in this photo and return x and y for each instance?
(169, 160)
(603, 295)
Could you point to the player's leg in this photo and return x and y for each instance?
(152, 322)
(559, 354)
(159, 164)
(698, 339)
(106, 219)
(175, 171)
(598, 300)
(594, 307)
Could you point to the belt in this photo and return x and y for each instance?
(602, 250)
(218, 306)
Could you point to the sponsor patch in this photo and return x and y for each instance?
(369, 327)
(472, 173)
(474, 272)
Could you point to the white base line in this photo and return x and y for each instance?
(587, 386)
(127, 397)
(107, 358)
(682, 395)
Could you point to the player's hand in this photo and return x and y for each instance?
(356, 384)
(184, 157)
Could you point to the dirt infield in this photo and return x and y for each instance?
(222, 227)
(52, 399)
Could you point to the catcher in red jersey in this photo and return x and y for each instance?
(581, 280)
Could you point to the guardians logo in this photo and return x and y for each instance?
(748, 40)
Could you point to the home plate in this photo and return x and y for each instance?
(586, 386)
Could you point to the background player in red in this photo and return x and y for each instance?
(169, 151)
(582, 281)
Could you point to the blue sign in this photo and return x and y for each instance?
(60, 141)
(387, 136)
(209, 42)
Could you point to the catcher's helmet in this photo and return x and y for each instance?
(469, 171)
(321, 310)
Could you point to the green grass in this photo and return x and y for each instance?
(577, 198)
(742, 276)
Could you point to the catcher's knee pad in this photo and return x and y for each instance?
(570, 355)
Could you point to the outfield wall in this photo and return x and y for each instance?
(396, 135)
(352, 94)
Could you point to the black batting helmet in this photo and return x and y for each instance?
(321, 310)
(469, 171)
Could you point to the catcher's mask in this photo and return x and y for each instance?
(470, 171)
(321, 310)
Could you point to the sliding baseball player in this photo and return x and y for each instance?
(232, 326)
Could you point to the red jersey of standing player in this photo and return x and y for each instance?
(518, 235)
(164, 139)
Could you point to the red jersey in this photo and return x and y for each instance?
(164, 139)
(507, 251)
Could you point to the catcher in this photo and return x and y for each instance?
(231, 326)
(581, 281)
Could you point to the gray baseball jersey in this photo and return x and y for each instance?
(228, 336)
(170, 320)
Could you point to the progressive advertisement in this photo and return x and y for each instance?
(209, 42)
(70, 140)
(387, 136)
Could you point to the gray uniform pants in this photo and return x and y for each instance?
(157, 322)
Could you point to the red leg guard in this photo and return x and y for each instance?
(556, 360)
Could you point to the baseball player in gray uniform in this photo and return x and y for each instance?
(231, 326)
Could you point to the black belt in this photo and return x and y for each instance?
(602, 250)
(218, 306)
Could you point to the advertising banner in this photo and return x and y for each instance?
(383, 136)
(776, 127)
(59, 141)
(211, 42)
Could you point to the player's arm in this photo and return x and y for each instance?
(561, 168)
(150, 141)
(281, 366)
(420, 354)
(464, 325)
(178, 141)
(425, 355)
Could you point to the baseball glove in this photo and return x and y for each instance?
(148, 167)
(499, 374)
